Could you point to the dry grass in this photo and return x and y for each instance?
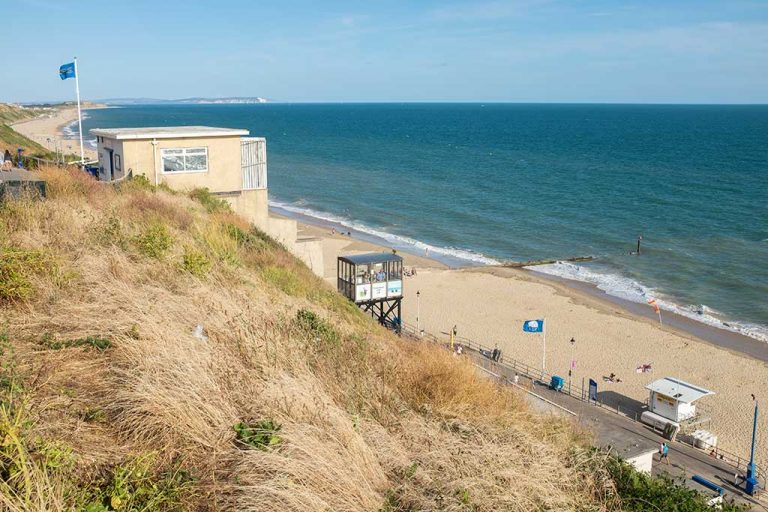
(368, 421)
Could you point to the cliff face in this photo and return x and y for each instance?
(160, 354)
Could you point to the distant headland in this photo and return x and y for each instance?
(185, 101)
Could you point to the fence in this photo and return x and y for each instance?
(576, 391)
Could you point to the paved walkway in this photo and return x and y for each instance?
(622, 434)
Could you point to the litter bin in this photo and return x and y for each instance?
(557, 383)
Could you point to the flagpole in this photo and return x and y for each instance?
(79, 115)
(544, 353)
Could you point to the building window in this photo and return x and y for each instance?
(118, 167)
(185, 160)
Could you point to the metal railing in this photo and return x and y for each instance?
(576, 391)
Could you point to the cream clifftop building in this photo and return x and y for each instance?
(229, 163)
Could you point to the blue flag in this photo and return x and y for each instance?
(533, 326)
(67, 71)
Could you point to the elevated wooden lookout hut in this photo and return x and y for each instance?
(373, 281)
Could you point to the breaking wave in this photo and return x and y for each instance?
(631, 290)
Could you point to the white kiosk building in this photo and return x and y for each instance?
(674, 399)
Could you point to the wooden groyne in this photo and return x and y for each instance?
(519, 264)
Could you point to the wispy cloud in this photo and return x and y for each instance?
(483, 11)
(353, 20)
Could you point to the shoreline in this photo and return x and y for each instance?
(47, 129)
(488, 304)
(680, 324)
(734, 342)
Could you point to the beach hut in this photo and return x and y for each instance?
(673, 399)
(373, 281)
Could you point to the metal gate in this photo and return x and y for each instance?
(253, 161)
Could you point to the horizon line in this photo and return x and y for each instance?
(389, 102)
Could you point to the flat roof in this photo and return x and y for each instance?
(371, 257)
(167, 132)
(679, 390)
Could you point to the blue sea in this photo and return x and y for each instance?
(481, 184)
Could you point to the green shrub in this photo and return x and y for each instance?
(111, 231)
(211, 203)
(195, 262)
(283, 278)
(136, 182)
(97, 342)
(640, 492)
(261, 435)
(312, 324)
(93, 415)
(253, 239)
(137, 486)
(155, 241)
(16, 268)
(10, 381)
(141, 181)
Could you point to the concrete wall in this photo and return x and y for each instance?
(642, 462)
(223, 175)
(252, 205)
(103, 154)
(310, 251)
(283, 230)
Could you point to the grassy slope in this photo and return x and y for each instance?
(11, 139)
(111, 402)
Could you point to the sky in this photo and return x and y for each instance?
(595, 51)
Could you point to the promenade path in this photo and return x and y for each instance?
(619, 432)
(614, 424)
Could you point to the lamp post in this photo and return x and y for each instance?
(751, 483)
(570, 368)
(418, 324)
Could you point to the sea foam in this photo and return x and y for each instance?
(70, 132)
(465, 256)
(631, 290)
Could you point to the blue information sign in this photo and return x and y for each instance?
(592, 390)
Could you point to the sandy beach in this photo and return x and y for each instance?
(48, 130)
(490, 304)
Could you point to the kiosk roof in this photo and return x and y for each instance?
(679, 390)
(371, 257)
